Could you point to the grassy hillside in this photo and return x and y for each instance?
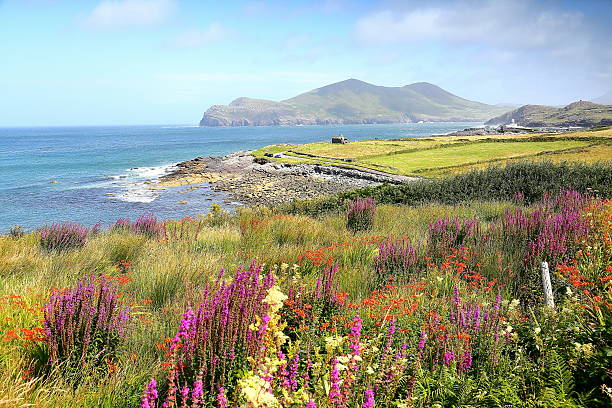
(582, 113)
(353, 101)
(439, 156)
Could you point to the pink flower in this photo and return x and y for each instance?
(369, 399)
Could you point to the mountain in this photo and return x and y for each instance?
(581, 113)
(352, 102)
(605, 99)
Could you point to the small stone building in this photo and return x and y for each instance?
(340, 139)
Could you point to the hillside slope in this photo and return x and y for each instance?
(581, 113)
(352, 102)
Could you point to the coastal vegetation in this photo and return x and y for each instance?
(443, 155)
(382, 299)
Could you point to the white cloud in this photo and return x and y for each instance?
(215, 32)
(124, 13)
(507, 24)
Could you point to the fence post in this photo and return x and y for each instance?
(548, 294)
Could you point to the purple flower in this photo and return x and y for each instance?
(355, 335)
(149, 397)
(64, 236)
(369, 399)
(449, 356)
(335, 397)
(360, 214)
(456, 298)
(466, 362)
(422, 341)
(74, 317)
(221, 398)
(196, 392)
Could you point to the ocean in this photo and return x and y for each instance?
(95, 175)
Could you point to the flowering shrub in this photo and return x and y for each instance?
(146, 224)
(446, 233)
(548, 233)
(64, 236)
(396, 258)
(360, 214)
(85, 324)
(220, 336)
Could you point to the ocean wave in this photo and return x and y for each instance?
(136, 184)
(141, 193)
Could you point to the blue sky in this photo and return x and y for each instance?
(165, 61)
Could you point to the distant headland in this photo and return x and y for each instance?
(354, 102)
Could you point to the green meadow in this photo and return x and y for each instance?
(443, 155)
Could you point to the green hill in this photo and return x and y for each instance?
(352, 102)
(581, 113)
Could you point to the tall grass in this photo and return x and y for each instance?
(162, 278)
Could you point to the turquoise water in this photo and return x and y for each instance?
(98, 174)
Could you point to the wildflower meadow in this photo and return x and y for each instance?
(371, 305)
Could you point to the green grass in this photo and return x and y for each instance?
(443, 155)
(410, 163)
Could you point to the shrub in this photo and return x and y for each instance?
(547, 233)
(64, 236)
(146, 224)
(396, 258)
(447, 233)
(532, 180)
(84, 324)
(360, 214)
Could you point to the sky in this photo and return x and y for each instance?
(122, 62)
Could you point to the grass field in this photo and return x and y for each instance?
(409, 163)
(443, 155)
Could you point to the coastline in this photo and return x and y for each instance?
(253, 182)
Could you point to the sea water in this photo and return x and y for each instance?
(95, 175)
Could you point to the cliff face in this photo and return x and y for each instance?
(581, 113)
(352, 102)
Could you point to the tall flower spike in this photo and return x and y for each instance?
(149, 397)
(369, 399)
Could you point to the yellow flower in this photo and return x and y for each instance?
(275, 299)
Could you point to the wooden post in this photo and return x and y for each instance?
(548, 294)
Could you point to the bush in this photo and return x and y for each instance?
(447, 233)
(529, 180)
(146, 224)
(84, 324)
(64, 236)
(396, 258)
(360, 214)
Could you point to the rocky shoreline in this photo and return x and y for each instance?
(253, 182)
